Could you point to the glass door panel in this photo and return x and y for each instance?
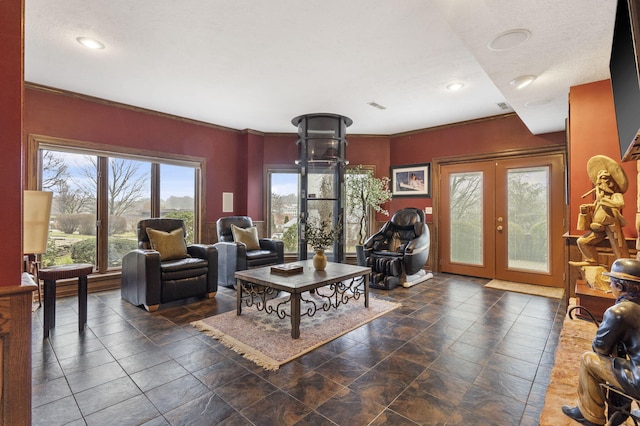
(528, 212)
(465, 218)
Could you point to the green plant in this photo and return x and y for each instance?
(320, 234)
(84, 251)
(365, 192)
(187, 217)
(290, 238)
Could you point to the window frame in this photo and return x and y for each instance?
(37, 143)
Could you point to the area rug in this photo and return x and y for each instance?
(266, 339)
(536, 290)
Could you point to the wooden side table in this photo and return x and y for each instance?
(596, 301)
(59, 272)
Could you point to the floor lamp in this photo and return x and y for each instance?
(36, 213)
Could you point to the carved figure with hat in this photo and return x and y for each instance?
(603, 218)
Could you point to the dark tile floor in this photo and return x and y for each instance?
(455, 353)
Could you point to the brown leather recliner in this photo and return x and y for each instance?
(149, 280)
(235, 256)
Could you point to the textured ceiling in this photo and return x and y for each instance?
(251, 64)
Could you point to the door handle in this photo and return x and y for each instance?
(499, 228)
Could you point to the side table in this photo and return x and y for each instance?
(59, 272)
(596, 301)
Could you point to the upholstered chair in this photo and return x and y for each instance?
(239, 248)
(398, 250)
(164, 268)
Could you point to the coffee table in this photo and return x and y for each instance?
(255, 287)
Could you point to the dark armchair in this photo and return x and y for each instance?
(164, 268)
(400, 249)
(244, 250)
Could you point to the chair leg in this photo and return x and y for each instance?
(151, 308)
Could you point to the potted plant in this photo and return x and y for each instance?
(364, 193)
(320, 235)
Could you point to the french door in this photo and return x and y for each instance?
(503, 219)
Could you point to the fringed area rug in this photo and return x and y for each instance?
(536, 290)
(575, 338)
(266, 339)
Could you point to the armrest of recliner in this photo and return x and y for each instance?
(417, 251)
(273, 245)
(210, 254)
(141, 277)
(373, 242)
(232, 257)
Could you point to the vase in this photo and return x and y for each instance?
(319, 260)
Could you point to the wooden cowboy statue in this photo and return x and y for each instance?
(602, 218)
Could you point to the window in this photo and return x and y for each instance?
(178, 194)
(282, 207)
(99, 196)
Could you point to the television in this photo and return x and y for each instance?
(625, 82)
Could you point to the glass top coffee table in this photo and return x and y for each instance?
(340, 283)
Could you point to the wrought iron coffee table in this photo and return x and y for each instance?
(255, 287)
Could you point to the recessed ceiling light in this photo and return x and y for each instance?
(90, 43)
(509, 39)
(522, 81)
(455, 86)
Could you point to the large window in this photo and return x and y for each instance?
(99, 196)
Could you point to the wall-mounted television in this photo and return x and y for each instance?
(625, 80)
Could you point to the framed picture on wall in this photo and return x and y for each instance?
(412, 180)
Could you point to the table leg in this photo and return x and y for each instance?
(295, 315)
(82, 302)
(366, 290)
(49, 306)
(238, 297)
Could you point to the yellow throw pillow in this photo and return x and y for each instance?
(249, 236)
(171, 245)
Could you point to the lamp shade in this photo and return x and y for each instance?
(36, 210)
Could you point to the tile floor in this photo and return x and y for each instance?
(455, 353)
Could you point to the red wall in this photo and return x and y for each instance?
(79, 119)
(11, 113)
(594, 131)
(493, 135)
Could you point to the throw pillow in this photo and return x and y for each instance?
(170, 245)
(249, 236)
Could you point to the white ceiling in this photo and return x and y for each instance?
(255, 64)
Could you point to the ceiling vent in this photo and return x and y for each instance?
(503, 105)
(377, 105)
